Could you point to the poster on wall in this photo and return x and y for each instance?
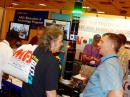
(33, 18)
(63, 25)
(90, 25)
(19, 31)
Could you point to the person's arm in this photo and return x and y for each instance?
(95, 59)
(85, 58)
(51, 93)
(52, 74)
(115, 93)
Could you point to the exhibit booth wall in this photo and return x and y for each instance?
(9, 16)
(91, 24)
(83, 34)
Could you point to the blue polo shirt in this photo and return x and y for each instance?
(108, 76)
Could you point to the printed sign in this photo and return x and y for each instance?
(34, 18)
(90, 25)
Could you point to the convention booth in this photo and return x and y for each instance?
(89, 25)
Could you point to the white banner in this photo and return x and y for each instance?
(90, 25)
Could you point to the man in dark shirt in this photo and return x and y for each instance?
(45, 79)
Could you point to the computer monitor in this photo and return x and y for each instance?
(20, 30)
(63, 25)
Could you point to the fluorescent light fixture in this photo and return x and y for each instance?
(15, 3)
(42, 4)
(86, 7)
(101, 12)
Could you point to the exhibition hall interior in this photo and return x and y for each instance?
(84, 25)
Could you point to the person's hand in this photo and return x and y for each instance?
(95, 59)
(92, 62)
(85, 58)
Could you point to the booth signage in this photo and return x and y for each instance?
(34, 18)
(90, 25)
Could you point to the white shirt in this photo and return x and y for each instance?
(5, 54)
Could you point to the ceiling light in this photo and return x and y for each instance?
(42, 4)
(86, 7)
(15, 3)
(100, 12)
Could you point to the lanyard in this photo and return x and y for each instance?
(114, 56)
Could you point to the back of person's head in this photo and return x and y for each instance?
(96, 38)
(13, 39)
(115, 40)
(51, 33)
(122, 38)
(40, 30)
(41, 27)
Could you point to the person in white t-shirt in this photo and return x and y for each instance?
(5, 53)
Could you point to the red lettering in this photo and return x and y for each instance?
(79, 40)
(19, 54)
(27, 57)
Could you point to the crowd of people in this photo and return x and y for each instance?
(107, 54)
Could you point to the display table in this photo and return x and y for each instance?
(11, 87)
(67, 90)
(14, 86)
(15, 81)
(71, 88)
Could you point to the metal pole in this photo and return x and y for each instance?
(68, 71)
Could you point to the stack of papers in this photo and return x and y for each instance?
(79, 77)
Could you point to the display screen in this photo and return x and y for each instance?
(20, 30)
(63, 25)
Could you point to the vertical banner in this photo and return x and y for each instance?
(33, 18)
